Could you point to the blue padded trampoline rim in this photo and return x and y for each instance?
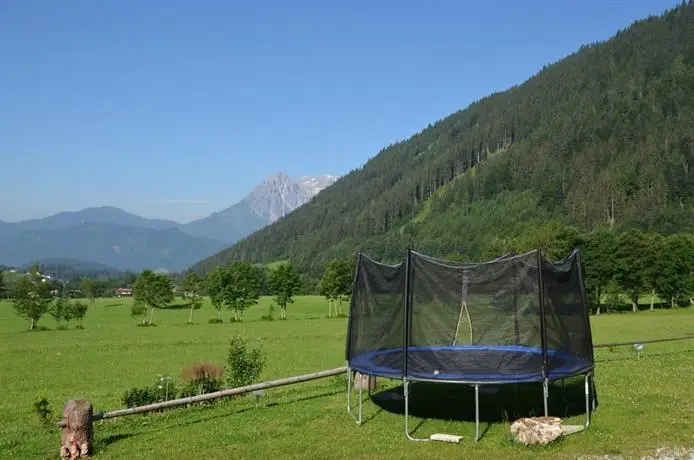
(573, 365)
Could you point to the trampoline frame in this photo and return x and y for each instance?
(588, 376)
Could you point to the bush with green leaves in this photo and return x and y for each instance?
(243, 365)
(139, 397)
(163, 389)
(62, 310)
(270, 314)
(42, 408)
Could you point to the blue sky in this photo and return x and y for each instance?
(176, 109)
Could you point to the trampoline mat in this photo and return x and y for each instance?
(471, 363)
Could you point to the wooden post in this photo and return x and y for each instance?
(365, 382)
(76, 439)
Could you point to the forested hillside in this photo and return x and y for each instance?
(603, 138)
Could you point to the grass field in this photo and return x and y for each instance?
(644, 404)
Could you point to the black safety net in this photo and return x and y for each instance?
(566, 317)
(377, 307)
(519, 317)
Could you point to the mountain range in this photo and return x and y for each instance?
(602, 138)
(122, 240)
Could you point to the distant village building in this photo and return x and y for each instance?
(123, 292)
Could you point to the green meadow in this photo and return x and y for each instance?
(644, 404)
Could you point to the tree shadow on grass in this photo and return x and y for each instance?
(177, 306)
(497, 403)
(101, 444)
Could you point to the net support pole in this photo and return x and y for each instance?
(543, 333)
(408, 311)
(406, 342)
(350, 319)
(515, 284)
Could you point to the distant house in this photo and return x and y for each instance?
(123, 292)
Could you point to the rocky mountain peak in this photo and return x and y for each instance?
(280, 194)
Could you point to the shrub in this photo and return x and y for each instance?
(42, 408)
(270, 314)
(201, 378)
(339, 380)
(215, 320)
(139, 397)
(243, 366)
(164, 389)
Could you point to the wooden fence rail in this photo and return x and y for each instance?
(214, 395)
(622, 344)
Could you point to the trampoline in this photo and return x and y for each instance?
(519, 318)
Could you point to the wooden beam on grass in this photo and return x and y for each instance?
(623, 344)
(214, 395)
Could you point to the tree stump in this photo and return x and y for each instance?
(365, 382)
(76, 439)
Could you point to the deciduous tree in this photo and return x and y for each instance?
(88, 287)
(60, 310)
(336, 283)
(3, 285)
(284, 283)
(192, 290)
(235, 286)
(633, 257)
(218, 285)
(653, 264)
(31, 297)
(151, 290)
(78, 310)
(598, 263)
(676, 282)
(245, 287)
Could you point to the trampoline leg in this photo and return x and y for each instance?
(477, 413)
(349, 390)
(406, 391)
(545, 395)
(361, 398)
(349, 397)
(587, 386)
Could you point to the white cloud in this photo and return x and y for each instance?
(185, 201)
